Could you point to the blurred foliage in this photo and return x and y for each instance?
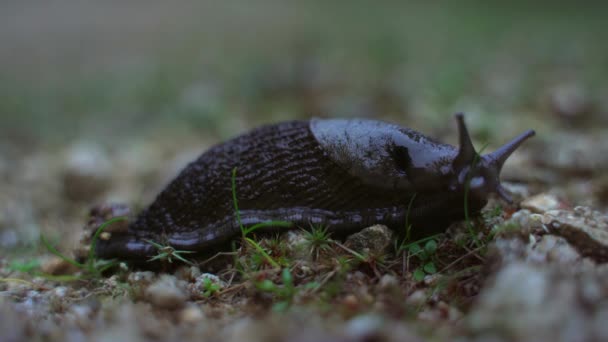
(102, 70)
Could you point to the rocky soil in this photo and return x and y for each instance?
(534, 271)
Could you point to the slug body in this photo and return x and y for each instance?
(343, 174)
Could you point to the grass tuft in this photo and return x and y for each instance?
(168, 253)
(92, 267)
(317, 240)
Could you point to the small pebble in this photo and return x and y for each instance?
(88, 172)
(297, 244)
(417, 298)
(191, 314)
(351, 302)
(141, 278)
(585, 229)
(202, 283)
(364, 327)
(54, 265)
(166, 293)
(553, 248)
(541, 203)
(373, 240)
(388, 281)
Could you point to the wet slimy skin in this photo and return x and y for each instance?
(345, 174)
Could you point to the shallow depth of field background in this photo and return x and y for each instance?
(105, 70)
(133, 90)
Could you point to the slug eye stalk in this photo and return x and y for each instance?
(466, 150)
(484, 170)
(500, 156)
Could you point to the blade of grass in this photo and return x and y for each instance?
(263, 252)
(407, 218)
(154, 244)
(55, 252)
(60, 278)
(17, 280)
(184, 260)
(359, 256)
(432, 237)
(267, 224)
(91, 257)
(246, 231)
(106, 267)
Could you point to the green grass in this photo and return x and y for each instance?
(317, 240)
(24, 267)
(424, 250)
(210, 287)
(92, 267)
(425, 254)
(168, 253)
(284, 293)
(399, 245)
(246, 231)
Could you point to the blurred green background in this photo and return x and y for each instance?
(112, 71)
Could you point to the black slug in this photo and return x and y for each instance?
(345, 174)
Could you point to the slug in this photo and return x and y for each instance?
(345, 174)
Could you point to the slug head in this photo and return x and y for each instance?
(481, 174)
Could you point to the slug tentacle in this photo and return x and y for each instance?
(466, 150)
(504, 152)
(483, 172)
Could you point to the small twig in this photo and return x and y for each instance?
(231, 278)
(473, 252)
(357, 255)
(18, 281)
(231, 289)
(217, 255)
(375, 270)
(325, 280)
